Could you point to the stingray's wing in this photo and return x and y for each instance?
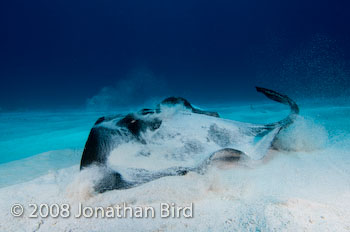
(133, 177)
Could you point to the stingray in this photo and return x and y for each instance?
(173, 139)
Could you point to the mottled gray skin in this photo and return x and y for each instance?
(127, 128)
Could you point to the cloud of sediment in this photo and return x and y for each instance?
(137, 88)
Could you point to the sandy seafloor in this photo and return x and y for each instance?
(304, 189)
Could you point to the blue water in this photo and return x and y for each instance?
(60, 54)
(30, 133)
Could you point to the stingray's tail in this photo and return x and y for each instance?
(284, 99)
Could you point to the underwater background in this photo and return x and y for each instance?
(63, 64)
(69, 54)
